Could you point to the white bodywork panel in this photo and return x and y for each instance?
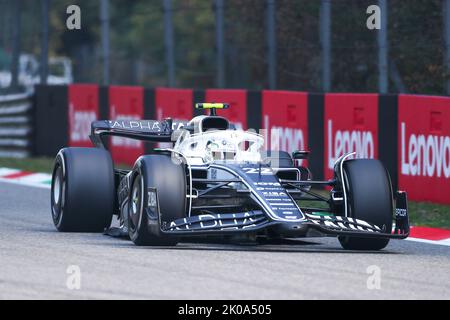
(219, 145)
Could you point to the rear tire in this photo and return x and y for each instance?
(369, 199)
(169, 179)
(82, 191)
(278, 159)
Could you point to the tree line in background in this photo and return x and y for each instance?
(138, 55)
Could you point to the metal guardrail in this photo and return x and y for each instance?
(16, 125)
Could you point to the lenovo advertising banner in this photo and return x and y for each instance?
(174, 103)
(424, 147)
(237, 113)
(126, 103)
(351, 125)
(285, 120)
(83, 109)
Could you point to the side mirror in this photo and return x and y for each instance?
(300, 155)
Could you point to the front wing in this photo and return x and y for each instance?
(313, 225)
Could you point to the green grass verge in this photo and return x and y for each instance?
(44, 165)
(429, 214)
(421, 213)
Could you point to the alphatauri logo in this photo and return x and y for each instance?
(425, 155)
(122, 141)
(345, 141)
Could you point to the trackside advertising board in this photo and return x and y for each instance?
(285, 118)
(126, 103)
(174, 103)
(351, 125)
(237, 113)
(83, 109)
(424, 147)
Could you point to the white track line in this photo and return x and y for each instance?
(445, 242)
(26, 183)
(39, 180)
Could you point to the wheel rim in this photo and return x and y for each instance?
(58, 194)
(56, 189)
(135, 204)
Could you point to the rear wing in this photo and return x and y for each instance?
(146, 130)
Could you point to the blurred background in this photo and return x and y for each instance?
(65, 63)
(308, 45)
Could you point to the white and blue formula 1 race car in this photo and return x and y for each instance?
(217, 181)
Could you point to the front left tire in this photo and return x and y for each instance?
(169, 180)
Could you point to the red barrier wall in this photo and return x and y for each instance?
(424, 147)
(174, 103)
(126, 103)
(83, 109)
(285, 118)
(237, 113)
(414, 130)
(351, 125)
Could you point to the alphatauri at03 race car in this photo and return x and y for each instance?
(217, 181)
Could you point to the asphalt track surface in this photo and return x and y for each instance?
(35, 258)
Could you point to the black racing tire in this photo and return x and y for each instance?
(278, 159)
(169, 179)
(369, 199)
(82, 190)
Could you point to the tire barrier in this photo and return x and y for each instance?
(16, 125)
(410, 134)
